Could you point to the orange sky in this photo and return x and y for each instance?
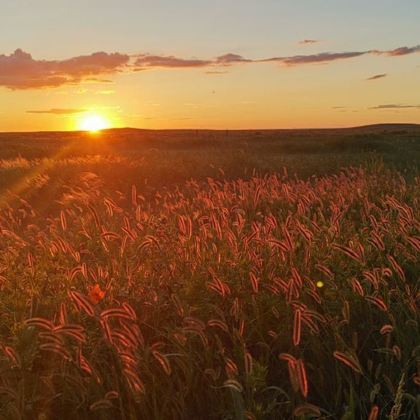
(234, 66)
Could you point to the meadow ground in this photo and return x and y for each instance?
(210, 274)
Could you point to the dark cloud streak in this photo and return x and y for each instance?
(150, 61)
(309, 41)
(325, 57)
(229, 59)
(216, 72)
(395, 106)
(398, 51)
(57, 111)
(377, 76)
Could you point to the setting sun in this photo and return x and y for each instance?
(93, 123)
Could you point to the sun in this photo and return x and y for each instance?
(93, 123)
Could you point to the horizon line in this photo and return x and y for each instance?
(214, 129)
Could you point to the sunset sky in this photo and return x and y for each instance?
(208, 64)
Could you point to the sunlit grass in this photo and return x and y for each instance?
(254, 298)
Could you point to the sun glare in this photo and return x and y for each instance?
(94, 123)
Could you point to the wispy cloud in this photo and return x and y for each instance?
(96, 80)
(216, 72)
(20, 71)
(150, 61)
(377, 76)
(229, 59)
(325, 57)
(308, 41)
(398, 51)
(394, 106)
(57, 111)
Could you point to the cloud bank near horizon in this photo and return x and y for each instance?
(19, 70)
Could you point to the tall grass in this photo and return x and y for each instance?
(264, 298)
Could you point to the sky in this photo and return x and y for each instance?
(221, 64)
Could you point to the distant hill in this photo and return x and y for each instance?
(397, 141)
(132, 130)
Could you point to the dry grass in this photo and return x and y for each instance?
(261, 298)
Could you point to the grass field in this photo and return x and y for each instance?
(210, 274)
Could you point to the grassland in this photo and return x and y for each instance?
(219, 275)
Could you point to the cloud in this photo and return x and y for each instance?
(399, 51)
(229, 59)
(216, 72)
(308, 41)
(155, 61)
(149, 61)
(96, 80)
(341, 108)
(325, 57)
(394, 106)
(321, 57)
(57, 111)
(377, 76)
(20, 71)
